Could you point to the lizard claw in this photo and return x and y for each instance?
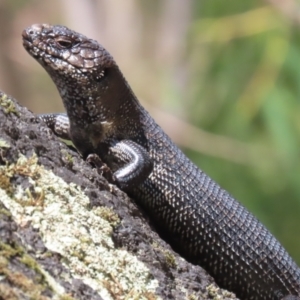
(101, 167)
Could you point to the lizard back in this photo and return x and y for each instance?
(209, 227)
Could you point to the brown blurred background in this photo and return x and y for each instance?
(221, 77)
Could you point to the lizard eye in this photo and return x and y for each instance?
(64, 43)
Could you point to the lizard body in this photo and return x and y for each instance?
(198, 218)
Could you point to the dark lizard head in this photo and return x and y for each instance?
(67, 52)
(88, 79)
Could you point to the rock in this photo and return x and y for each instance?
(66, 233)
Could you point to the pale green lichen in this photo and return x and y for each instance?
(82, 236)
(20, 284)
(169, 256)
(68, 157)
(218, 294)
(4, 144)
(8, 105)
(108, 215)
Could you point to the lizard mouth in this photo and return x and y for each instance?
(32, 46)
(29, 47)
(28, 43)
(35, 52)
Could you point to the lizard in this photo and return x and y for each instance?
(199, 219)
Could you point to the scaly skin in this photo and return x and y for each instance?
(197, 217)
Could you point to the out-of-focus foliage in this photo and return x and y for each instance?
(245, 83)
(230, 69)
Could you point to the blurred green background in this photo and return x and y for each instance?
(221, 77)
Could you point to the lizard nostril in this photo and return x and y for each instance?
(30, 32)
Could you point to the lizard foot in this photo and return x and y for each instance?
(101, 167)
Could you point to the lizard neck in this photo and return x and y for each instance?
(109, 104)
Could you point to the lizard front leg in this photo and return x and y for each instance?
(130, 161)
(58, 123)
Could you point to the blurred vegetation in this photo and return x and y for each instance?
(248, 79)
(226, 70)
